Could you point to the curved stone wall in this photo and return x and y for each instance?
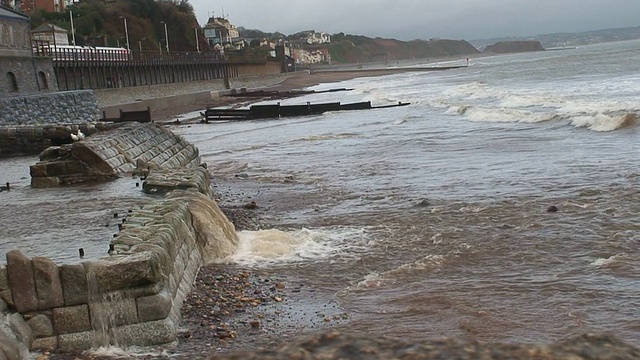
(132, 147)
(133, 296)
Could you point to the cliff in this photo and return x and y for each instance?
(503, 47)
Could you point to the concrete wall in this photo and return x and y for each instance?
(133, 296)
(73, 107)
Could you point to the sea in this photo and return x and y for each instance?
(500, 205)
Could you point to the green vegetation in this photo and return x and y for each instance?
(99, 23)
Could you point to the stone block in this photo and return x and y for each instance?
(71, 319)
(73, 167)
(22, 282)
(48, 285)
(111, 310)
(41, 326)
(20, 329)
(121, 272)
(45, 344)
(155, 307)
(76, 341)
(38, 170)
(146, 334)
(74, 284)
(55, 168)
(45, 182)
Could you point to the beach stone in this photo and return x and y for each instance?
(41, 326)
(45, 344)
(74, 284)
(48, 285)
(21, 279)
(71, 319)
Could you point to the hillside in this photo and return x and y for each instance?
(354, 49)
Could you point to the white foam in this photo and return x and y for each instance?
(604, 122)
(603, 262)
(266, 247)
(382, 279)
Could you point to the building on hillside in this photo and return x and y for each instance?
(51, 34)
(30, 6)
(21, 73)
(315, 56)
(318, 38)
(220, 31)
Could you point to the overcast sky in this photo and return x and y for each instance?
(424, 19)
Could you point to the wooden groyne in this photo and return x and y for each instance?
(278, 111)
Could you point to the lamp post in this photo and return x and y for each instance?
(126, 31)
(73, 32)
(195, 30)
(166, 35)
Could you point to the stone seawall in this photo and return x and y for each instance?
(134, 295)
(132, 147)
(71, 107)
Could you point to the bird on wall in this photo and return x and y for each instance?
(74, 137)
(80, 135)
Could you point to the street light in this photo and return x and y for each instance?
(126, 30)
(166, 35)
(197, 42)
(73, 31)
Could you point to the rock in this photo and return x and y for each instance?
(41, 326)
(251, 205)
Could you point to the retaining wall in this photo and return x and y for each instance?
(133, 296)
(71, 107)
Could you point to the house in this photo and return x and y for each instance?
(311, 56)
(220, 31)
(21, 73)
(318, 38)
(51, 34)
(30, 6)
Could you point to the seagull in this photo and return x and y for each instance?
(81, 135)
(74, 137)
